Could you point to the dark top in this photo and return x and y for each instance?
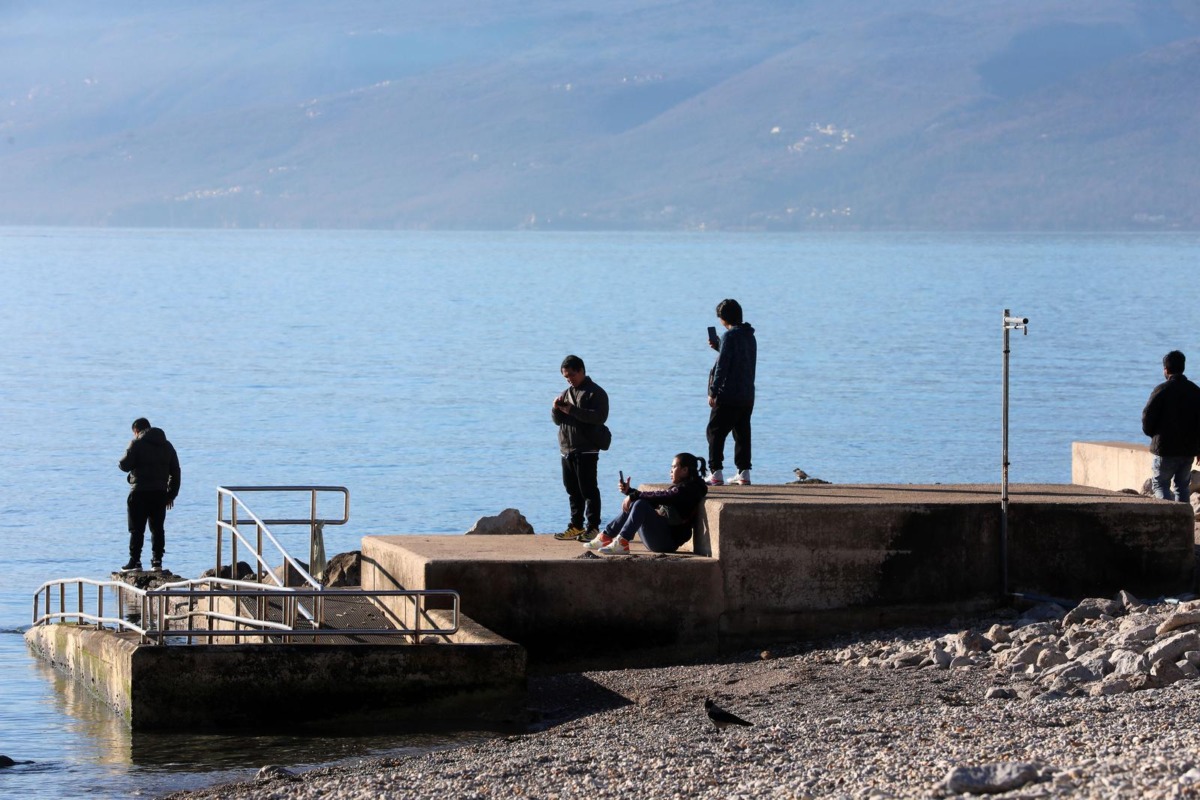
(589, 410)
(679, 503)
(152, 464)
(731, 379)
(1171, 418)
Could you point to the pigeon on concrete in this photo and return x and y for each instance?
(722, 718)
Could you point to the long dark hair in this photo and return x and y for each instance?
(697, 466)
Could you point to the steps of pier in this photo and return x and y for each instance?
(790, 561)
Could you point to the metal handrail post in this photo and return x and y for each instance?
(1009, 323)
(312, 531)
(100, 605)
(220, 530)
(259, 567)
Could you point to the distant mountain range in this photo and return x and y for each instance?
(559, 114)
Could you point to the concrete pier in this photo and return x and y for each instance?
(791, 561)
(226, 687)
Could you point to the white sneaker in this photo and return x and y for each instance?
(716, 479)
(742, 478)
(617, 547)
(597, 543)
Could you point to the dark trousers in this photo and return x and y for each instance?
(143, 507)
(643, 518)
(722, 420)
(579, 479)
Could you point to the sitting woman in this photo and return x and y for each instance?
(664, 516)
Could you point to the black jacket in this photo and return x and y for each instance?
(589, 410)
(1171, 418)
(683, 501)
(731, 379)
(152, 464)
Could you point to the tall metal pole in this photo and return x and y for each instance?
(1010, 323)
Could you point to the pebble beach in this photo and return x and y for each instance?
(1097, 701)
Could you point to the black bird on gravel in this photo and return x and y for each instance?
(722, 718)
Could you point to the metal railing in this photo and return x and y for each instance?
(175, 613)
(217, 607)
(240, 514)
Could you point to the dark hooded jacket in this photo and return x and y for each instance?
(731, 380)
(152, 464)
(1171, 418)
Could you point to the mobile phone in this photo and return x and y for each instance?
(712, 337)
(621, 473)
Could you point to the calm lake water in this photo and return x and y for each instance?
(417, 369)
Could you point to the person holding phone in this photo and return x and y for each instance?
(580, 412)
(664, 517)
(731, 392)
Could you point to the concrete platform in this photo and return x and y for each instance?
(789, 561)
(563, 605)
(468, 679)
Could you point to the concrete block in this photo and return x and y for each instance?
(567, 610)
(1110, 465)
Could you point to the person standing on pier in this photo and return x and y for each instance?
(1171, 419)
(154, 478)
(580, 413)
(731, 393)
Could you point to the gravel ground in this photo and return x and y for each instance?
(824, 726)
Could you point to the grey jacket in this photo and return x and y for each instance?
(589, 409)
(152, 464)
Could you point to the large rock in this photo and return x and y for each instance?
(1133, 638)
(1127, 662)
(507, 522)
(242, 572)
(1093, 608)
(991, 779)
(344, 569)
(1180, 619)
(967, 642)
(1172, 648)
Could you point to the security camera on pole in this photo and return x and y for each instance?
(1011, 323)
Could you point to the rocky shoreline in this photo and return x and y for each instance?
(1098, 701)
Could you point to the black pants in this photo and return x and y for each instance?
(722, 420)
(143, 507)
(579, 479)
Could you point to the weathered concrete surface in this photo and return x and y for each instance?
(475, 676)
(799, 560)
(815, 558)
(564, 609)
(99, 661)
(1110, 465)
